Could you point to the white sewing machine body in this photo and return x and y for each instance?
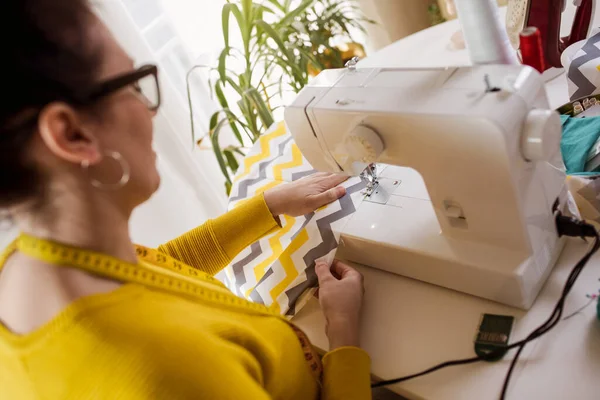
(478, 217)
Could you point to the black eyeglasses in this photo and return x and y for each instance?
(143, 80)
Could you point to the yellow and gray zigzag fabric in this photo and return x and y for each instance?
(278, 270)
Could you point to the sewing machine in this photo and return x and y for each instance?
(462, 167)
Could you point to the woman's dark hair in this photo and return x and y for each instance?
(46, 56)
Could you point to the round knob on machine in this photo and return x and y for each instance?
(541, 135)
(363, 144)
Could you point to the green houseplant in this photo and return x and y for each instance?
(283, 43)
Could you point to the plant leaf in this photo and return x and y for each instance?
(257, 14)
(220, 95)
(341, 23)
(265, 9)
(234, 118)
(222, 67)
(247, 25)
(231, 161)
(214, 138)
(247, 9)
(234, 85)
(267, 69)
(310, 57)
(225, 104)
(282, 48)
(277, 5)
(274, 35)
(214, 120)
(291, 16)
(225, 12)
(242, 23)
(239, 151)
(245, 108)
(299, 77)
(264, 113)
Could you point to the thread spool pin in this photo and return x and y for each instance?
(351, 64)
(488, 85)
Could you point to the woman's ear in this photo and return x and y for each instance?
(63, 133)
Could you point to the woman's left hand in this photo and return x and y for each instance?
(305, 195)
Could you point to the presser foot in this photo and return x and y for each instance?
(377, 190)
(381, 191)
(370, 188)
(369, 177)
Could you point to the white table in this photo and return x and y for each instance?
(410, 325)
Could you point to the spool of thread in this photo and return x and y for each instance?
(485, 35)
(531, 48)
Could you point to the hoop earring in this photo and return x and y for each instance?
(125, 175)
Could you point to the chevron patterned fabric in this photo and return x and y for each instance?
(279, 269)
(583, 77)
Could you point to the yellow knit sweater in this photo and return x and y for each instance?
(140, 342)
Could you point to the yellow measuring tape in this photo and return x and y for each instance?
(154, 270)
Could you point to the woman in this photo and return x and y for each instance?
(85, 313)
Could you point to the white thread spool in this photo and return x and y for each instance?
(485, 36)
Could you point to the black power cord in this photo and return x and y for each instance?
(566, 226)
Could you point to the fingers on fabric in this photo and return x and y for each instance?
(323, 272)
(334, 179)
(329, 196)
(345, 271)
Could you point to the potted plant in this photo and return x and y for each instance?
(283, 44)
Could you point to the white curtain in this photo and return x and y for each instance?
(192, 187)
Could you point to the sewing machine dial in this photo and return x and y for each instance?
(541, 135)
(363, 144)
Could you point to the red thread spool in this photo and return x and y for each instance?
(531, 48)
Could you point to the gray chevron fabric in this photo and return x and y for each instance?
(278, 270)
(583, 76)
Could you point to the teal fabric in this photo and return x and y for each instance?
(578, 137)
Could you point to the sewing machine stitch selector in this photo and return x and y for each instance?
(363, 144)
(541, 135)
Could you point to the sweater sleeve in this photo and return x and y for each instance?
(212, 245)
(346, 374)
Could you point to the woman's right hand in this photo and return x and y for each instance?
(341, 296)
